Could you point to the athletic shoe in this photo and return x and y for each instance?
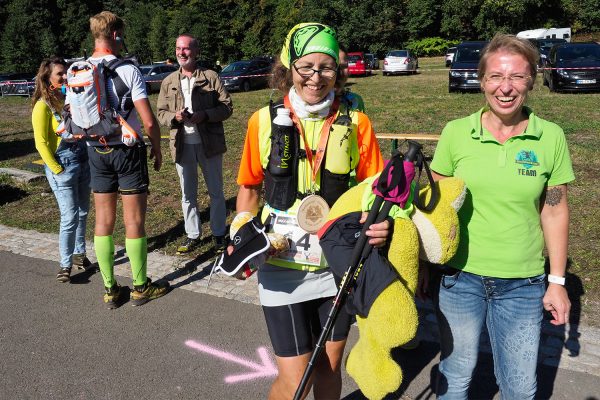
(64, 275)
(112, 296)
(80, 261)
(219, 244)
(151, 290)
(187, 245)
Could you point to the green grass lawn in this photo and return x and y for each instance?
(395, 104)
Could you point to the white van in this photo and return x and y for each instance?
(543, 33)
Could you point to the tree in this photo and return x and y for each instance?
(27, 35)
(422, 18)
(74, 26)
(137, 16)
(587, 16)
(160, 47)
(457, 17)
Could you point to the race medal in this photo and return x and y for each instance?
(312, 213)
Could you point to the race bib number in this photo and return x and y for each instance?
(304, 247)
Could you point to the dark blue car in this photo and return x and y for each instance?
(573, 67)
(544, 46)
(463, 71)
(247, 74)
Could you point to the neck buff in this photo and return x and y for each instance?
(307, 38)
(311, 112)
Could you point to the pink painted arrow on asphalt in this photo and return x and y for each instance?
(263, 370)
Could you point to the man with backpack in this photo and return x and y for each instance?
(193, 103)
(118, 163)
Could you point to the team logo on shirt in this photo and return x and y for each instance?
(527, 159)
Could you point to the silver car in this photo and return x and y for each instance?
(450, 56)
(400, 61)
(154, 74)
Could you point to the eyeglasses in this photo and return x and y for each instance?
(517, 79)
(307, 72)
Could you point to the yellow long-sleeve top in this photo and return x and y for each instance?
(46, 140)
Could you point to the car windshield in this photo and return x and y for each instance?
(369, 56)
(546, 45)
(237, 66)
(398, 53)
(579, 53)
(145, 70)
(468, 54)
(354, 58)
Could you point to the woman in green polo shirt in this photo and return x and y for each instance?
(516, 167)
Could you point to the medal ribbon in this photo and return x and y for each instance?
(315, 163)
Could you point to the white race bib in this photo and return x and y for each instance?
(304, 247)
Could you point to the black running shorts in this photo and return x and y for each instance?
(119, 168)
(295, 328)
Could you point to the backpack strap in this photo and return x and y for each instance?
(123, 92)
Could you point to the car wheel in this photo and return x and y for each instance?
(246, 86)
(451, 89)
(385, 73)
(551, 85)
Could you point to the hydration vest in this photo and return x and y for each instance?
(281, 184)
(88, 114)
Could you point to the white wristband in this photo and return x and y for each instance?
(559, 280)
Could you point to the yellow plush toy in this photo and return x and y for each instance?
(393, 318)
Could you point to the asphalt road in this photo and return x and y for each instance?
(57, 341)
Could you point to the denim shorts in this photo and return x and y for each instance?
(119, 168)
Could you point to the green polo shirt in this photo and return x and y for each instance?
(500, 231)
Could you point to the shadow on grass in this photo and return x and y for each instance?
(9, 193)
(177, 232)
(16, 148)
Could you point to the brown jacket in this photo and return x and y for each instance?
(208, 95)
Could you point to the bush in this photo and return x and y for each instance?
(429, 47)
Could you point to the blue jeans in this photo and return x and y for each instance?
(511, 309)
(72, 191)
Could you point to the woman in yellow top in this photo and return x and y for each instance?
(66, 167)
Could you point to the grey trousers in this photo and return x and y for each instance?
(212, 169)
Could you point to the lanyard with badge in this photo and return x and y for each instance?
(312, 212)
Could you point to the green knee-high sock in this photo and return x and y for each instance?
(105, 254)
(137, 251)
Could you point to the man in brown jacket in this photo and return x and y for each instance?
(194, 104)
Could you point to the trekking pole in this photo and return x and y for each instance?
(361, 251)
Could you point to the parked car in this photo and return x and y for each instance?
(544, 46)
(463, 71)
(450, 55)
(207, 64)
(357, 64)
(17, 84)
(372, 60)
(400, 61)
(246, 74)
(155, 73)
(573, 67)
